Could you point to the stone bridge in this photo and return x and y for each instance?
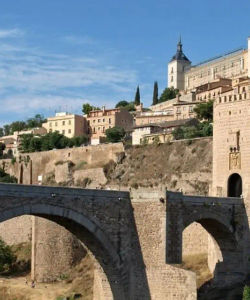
(135, 242)
(226, 221)
(102, 220)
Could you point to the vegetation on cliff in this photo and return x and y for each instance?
(115, 134)
(49, 141)
(6, 178)
(199, 127)
(7, 257)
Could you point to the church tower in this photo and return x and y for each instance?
(177, 67)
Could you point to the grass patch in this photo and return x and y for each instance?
(80, 166)
(198, 264)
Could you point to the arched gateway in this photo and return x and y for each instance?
(102, 220)
(234, 185)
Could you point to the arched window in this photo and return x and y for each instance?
(234, 185)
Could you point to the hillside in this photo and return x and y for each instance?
(183, 165)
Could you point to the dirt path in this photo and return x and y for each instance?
(17, 289)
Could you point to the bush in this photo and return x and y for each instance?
(115, 134)
(246, 293)
(193, 130)
(7, 258)
(49, 141)
(6, 178)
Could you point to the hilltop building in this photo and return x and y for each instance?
(177, 68)
(101, 120)
(67, 124)
(185, 77)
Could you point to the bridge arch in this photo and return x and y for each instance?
(86, 231)
(218, 217)
(234, 185)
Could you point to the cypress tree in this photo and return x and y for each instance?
(137, 96)
(155, 94)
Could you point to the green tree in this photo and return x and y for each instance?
(17, 126)
(1, 132)
(6, 129)
(246, 293)
(137, 96)
(115, 134)
(87, 108)
(130, 106)
(7, 258)
(204, 111)
(6, 178)
(37, 121)
(168, 94)
(193, 129)
(122, 103)
(155, 94)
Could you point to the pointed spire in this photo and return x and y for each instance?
(179, 45)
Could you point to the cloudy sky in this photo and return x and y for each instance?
(57, 54)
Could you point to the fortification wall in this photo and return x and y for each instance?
(45, 163)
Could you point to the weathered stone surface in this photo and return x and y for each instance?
(226, 221)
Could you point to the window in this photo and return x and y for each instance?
(109, 120)
(103, 120)
(190, 109)
(172, 78)
(69, 122)
(93, 121)
(99, 120)
(63, 122)
(55, 123)
(63, 131)
(69, 131)
(50, 124)
(103, 129)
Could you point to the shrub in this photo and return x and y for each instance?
(7, 258)
(246, 293)
(6, 178)
(115, 134)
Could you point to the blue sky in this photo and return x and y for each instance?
(57, 54)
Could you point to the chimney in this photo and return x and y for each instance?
(103, 108)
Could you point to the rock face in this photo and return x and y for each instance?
(180, 166)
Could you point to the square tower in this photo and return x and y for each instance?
(177, 67)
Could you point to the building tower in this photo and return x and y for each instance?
(248, 56)
(177, 67)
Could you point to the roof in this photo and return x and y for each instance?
(166, 124)
(179, 53)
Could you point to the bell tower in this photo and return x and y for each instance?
(177, 67)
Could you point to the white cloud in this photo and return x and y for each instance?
(10, 33)
(33, 80)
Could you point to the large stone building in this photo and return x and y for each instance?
(67, 124)
(101, 120)
(183, 76)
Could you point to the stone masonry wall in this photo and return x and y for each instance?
(165, 281)
(17, 230)
(56, 250)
